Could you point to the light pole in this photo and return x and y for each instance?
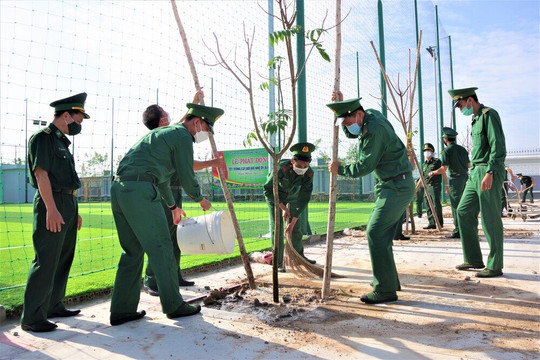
(432, 51)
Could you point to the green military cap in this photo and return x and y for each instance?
(343, 108)
(449, 133)
(428, 146)
(519, 174)
(75, 102)
(303, 150)
(458, 94)
(207, 113)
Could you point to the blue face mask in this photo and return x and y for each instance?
(467, 111)
(354, 129)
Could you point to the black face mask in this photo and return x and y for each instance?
(74, 128)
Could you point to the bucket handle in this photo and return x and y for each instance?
(207, 231)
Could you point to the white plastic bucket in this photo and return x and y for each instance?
(207, 234)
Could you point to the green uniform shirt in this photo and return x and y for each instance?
(49, 149)
(488, 139)
(161, 153)
(380, 150)
(293, 189)
(456, 158)
(526, 180)
(432, 165)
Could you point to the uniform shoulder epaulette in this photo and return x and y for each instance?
(365, 129)
(47, 130)
(485, 110)
(286, 168)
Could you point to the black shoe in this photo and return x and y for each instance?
(42, 326)
(467, 266)
(452, 236)
(403, 237)
(63, 313)
(376, 297)
(281, 269)
(430, 227)
(121, 318)
(151, 290)
(419, 216)
(185, 310)
(486, 273)
(182, 282)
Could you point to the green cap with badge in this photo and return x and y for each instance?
(303, 150)
(428, 146)
(343, 108)
(449, 133)
(75, 102)
(207, 113)
(458, 94)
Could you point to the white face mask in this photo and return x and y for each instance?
(201, 136)
(428, 154)
(299, 171)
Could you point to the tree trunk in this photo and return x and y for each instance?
(333, 177)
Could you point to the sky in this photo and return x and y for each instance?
(128, 54)
(495, 47)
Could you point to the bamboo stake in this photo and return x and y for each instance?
(226, 193)
(325, 293)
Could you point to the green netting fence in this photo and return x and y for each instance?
(128, 54)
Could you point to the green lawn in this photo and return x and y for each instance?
(98, 250)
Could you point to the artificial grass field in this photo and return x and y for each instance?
(98, 249)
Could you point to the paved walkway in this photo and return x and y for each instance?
(392, 331)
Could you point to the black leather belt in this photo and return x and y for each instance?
(397, 178)
(458, 175)
(140, 177)
(65, 191)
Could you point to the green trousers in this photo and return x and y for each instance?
(399, 226)
(142, 228)
(149, 278)
(488, 203)
(419, 201)
(296, 238)
(435, 193)
(49, 271)
(392, 198)
(456, 186)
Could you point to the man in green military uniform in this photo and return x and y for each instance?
(142, 179)
(295, 184)
(433, 183)
(508, 185)
(56, 215)
(380, 151)
(483, 190)
(455, 158)
(529, 186)
(150, 284)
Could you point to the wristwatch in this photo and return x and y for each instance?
(490, 172)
